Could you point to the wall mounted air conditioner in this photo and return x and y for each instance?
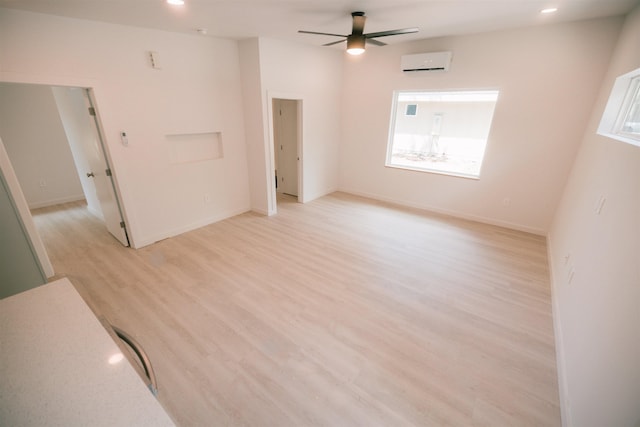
(434, 61)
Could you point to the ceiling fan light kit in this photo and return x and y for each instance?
(357, 40)
(355, 44)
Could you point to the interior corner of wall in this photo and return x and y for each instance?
(565, 402)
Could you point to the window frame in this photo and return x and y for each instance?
(632, 97)
(617, 108)
(392, 128)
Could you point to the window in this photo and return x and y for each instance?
(447, 134)
(621, 117)
(412, 110)
(629, 120)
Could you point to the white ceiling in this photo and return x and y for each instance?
(239, 19)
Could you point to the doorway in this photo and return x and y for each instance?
(287, 146)
(69, 113)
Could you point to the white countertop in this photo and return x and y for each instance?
(55, 370)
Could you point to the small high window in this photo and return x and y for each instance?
(621, 117)
(447, 132)
(629, 121)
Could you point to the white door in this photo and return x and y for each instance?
(100, 172)
(102, 176)
(285, 131)
(83, 134)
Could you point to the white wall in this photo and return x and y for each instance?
(255, 124)
(315, 75)
(197, 90)
(37, 145)
(597, 314)
(293, 71)
(548, 78)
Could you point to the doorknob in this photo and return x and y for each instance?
(90, 175)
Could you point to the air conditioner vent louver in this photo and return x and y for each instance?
(408, 70)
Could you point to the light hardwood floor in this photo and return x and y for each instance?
(340, 312)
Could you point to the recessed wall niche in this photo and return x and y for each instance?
(194, 147)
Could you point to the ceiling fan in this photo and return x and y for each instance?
(357, 39)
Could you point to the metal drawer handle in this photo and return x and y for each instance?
(146, 363)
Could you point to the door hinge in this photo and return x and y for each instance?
(108, 172)
(92, 111)
(122, 224)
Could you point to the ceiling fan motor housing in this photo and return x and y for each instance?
(355, 41)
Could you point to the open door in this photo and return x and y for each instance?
(101, 173)
(80, 122)
(285, 137)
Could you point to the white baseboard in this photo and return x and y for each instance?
(456, 214)
(260, 211)
(146, 241)
(58, 201)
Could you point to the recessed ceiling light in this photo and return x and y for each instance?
(176, 2)
(116, 358)
(549, 10)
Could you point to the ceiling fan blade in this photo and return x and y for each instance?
(358, 22)
(322, 34)
(332, 43)
(375, 42)
(357, 38)
(391, 32)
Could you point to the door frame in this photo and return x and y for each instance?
(285, 111)
(22, 210)
(271, 180)
(92, 88)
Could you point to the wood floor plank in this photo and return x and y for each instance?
(342, 311)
